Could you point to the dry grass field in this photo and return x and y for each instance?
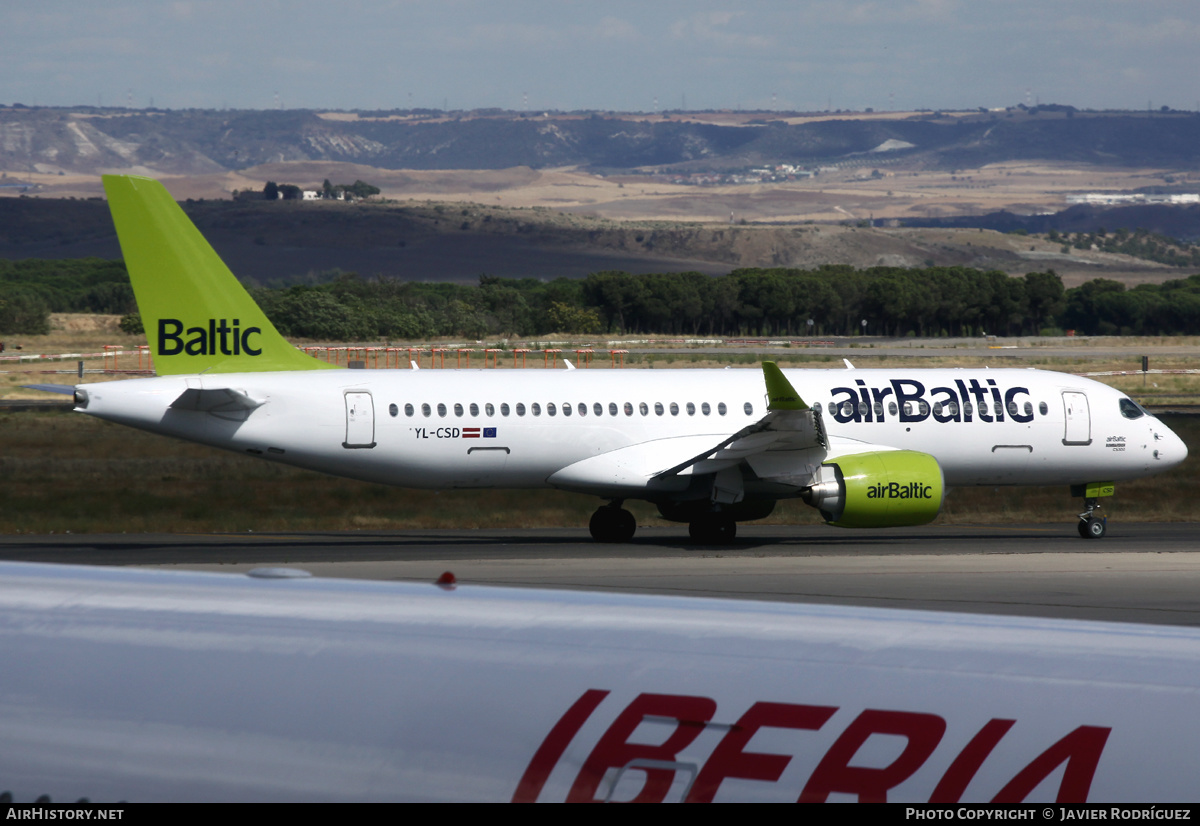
(832, 196)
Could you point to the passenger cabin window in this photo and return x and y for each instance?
(395, 411)
(749, 408)
(892, 408)
(612, 409)
(441, 410)
(474, 408)
(426, 411)
(535, 409)
(691, 408)
(674, 409)
(489, 409)
(721, 408)
(1042, 408)
(458, 410)
(644, 409)
(628, 409)
(504, 409)
(551, 410)
(658, 408)
(583, 409)
(408, 410)
(1131, 410)
(520, 409)
(705, 409)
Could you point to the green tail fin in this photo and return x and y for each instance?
(198, 318)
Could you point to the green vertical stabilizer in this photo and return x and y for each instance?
(198, 318)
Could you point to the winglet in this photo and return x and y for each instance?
(780, 393)
(197, 316)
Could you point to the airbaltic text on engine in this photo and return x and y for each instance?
(217, 338)
(895, 490)
(945, 404)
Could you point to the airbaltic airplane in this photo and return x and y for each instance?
(867, 448)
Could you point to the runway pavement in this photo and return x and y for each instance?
(1141, 572)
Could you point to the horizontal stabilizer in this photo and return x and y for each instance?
(224, 399)
(62, 389)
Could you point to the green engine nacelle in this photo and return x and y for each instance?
(882, 489)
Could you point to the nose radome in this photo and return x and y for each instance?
(1169, 448)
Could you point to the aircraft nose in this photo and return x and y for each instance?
(1169, 449)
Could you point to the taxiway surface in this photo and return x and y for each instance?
(1139, 573)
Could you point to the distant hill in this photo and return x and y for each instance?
(1182, 222)
(285, 242)
(194, 142)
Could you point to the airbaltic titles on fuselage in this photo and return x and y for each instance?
(217, 338)
(907, 400)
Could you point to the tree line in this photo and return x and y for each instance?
(1140, 243)
(31, 289)
(774, 302)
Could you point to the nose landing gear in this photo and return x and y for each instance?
(1092, 525)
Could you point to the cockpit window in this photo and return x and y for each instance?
(1131, 410)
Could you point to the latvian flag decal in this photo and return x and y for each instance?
(470, 432)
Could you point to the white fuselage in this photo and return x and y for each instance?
(505, 428)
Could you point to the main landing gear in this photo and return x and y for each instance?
(612, 523)
(712, 529)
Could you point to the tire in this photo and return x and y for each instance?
(600, 526)
(712, 530)
(624, 526)
(612, 525)
(724, 531)
(1096, 528)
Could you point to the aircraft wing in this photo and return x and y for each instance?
(786, 445)
(790, 428)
